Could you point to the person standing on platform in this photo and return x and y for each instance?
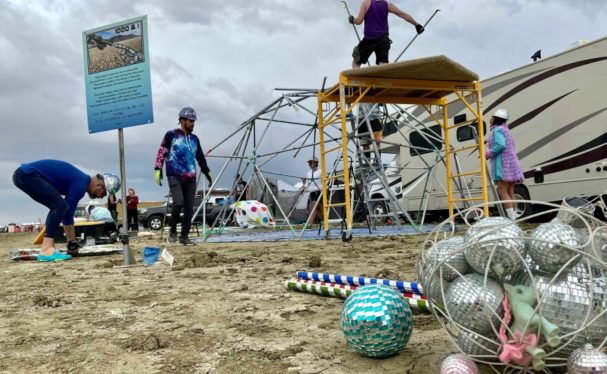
(506, 167)
(132, 201)
(374, 13)
(181, 149)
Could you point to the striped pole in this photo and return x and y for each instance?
(417, 302)
(402, 286)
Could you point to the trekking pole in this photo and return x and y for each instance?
(204, 211)
(353, 25)
(416, 34)
(164, 217)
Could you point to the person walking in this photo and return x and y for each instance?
(132, 200)
(506, 167)
(181, 149)
(112, 206)
(59, 186)
(374, 13)
(312, 185)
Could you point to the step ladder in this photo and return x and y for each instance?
(455, 174)
(339, 113)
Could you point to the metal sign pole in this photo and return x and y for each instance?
(127, 255)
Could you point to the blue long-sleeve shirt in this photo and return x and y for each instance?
(69, 181)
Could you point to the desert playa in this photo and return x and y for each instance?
(222, 308)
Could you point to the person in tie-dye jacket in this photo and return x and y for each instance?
(506, 167)
(179, 151)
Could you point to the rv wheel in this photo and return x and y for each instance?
(522, 209)
(379, 208)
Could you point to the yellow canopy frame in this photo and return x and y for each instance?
(432, 81)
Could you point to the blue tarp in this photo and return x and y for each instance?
(313, 234)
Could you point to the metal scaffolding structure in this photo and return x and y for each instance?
(425, 82)
(305, 119)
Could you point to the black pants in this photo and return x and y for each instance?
(133, 219)
(183, 193)
(114, 214)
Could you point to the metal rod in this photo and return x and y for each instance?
(127, 255)
(353, 25)
(416, 34)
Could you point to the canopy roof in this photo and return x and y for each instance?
(419, 81)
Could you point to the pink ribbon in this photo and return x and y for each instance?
(513, 350)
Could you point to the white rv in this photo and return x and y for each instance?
(558, 116)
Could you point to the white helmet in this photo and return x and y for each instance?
(502, 113)
(112, 183)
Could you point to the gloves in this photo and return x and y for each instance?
(208, 175)
(419, 28)
(351, 19)
(158, 177)
(72, 248)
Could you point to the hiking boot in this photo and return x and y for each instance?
(172, 237)
(186, 241)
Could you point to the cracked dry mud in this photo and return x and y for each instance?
(222, 309)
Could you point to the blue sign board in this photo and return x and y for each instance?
(117, 75)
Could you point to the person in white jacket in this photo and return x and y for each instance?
(312, 185)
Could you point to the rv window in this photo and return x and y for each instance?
(419, 144)
(390, 128)
(467, 132)
(459, 118)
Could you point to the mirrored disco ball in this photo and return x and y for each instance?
(587, 360)
(474, 344)
(434, 289)
(473, 305)
(550, 245)
(572, 302)
(498, 239)
(376, 321)
(598, 246)
(571, 212)
(458, 364)
(446, 250)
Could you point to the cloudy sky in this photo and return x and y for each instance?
(224, 58)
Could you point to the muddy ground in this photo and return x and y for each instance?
(222, 308)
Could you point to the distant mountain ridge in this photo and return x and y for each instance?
(118, 38)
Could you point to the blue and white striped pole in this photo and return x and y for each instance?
(402, 286)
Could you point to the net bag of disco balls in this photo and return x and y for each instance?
(519, 296)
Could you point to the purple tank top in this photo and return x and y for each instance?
(376, 20)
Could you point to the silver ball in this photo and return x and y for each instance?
(433, 287)
(568, 300)
(497, 239)
(474, 344)
(473, 304)
(458, 364)
(587, 360)
(572, 215)
(598, 245)
(445, 252)
(550, 245)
